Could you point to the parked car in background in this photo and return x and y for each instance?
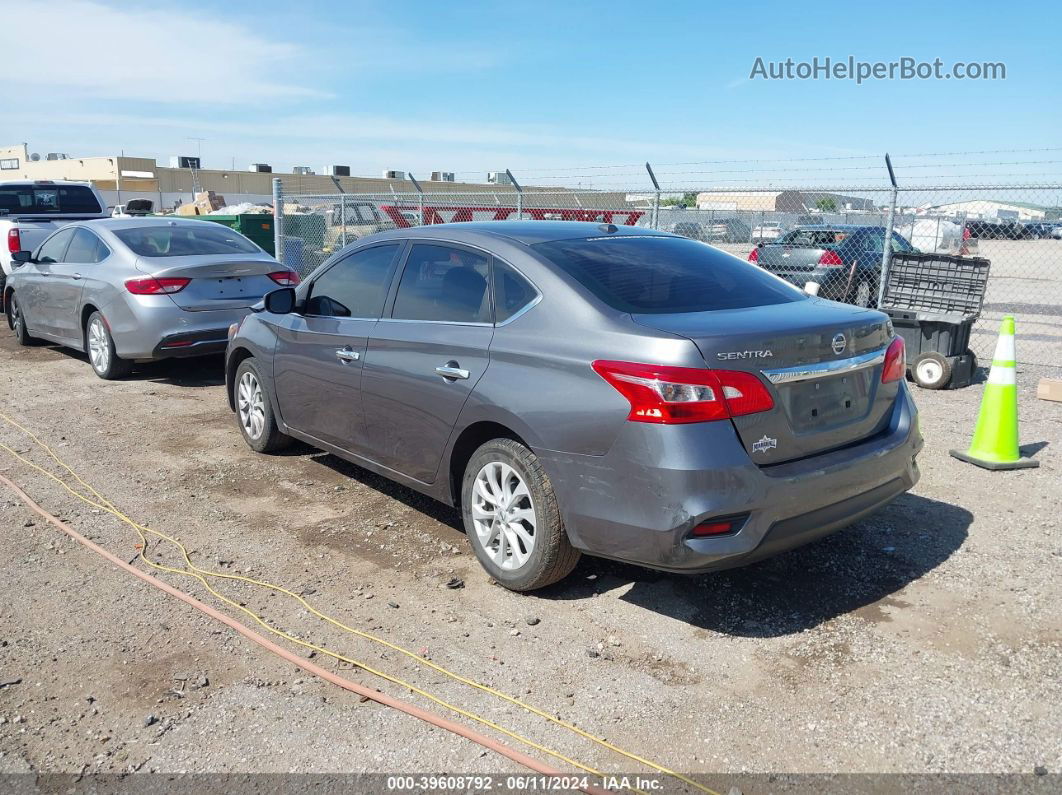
(31, 210)
(720, 415)
(844, 260)
(129, 290)
(997, 230)
(766, 232)
(727, 230)
(1056, 232)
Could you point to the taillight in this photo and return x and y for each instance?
(754, 255)
(672, 395)
(966, 233)
(830, 259)
(285, 278)
(14, 242)
(712, 529)
(895, 362)
(152, 286)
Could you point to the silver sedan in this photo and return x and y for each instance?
(131, 290)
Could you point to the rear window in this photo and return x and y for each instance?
(48, 200)
(655, 275)
(185, 240)
(815, 238)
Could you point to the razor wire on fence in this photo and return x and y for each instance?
(828, 240)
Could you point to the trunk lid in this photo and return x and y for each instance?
(826, 394)
(217, 282)
(778, 258)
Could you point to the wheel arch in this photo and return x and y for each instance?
(468, 441)
(232, 364)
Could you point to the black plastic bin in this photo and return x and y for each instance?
(933, 300)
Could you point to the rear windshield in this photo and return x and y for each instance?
(654, 275)
(185, 240)
(48, 200)
(815, 238)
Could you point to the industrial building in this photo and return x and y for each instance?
(989, 209)
(121, 178)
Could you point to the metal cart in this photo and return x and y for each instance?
(933, 301)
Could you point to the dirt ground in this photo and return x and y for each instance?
(925, 639)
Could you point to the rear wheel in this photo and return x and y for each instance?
(254, 412)
(863, 294)
(100, 348)
(17, 320)
(511, 517)
(932, 371)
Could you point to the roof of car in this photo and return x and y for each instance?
(141, 221)
(526, 232)
(838, 227)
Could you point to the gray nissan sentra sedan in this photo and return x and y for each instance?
(580, 387)
(129, 290)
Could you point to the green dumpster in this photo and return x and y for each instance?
(258, 227)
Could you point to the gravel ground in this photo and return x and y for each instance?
(925, 639)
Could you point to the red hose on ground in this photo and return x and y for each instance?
(402, 706)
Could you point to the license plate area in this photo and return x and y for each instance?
(230, 287)
(825, 403)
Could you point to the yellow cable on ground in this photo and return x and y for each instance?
(199, 574)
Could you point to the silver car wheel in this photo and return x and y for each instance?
(251, 405)
(503, 515)
(99, 346)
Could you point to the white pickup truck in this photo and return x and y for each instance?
(32, 210)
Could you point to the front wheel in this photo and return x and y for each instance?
(254, 412)
(100, 347)
(512, 519)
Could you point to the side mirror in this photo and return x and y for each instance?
(280, 302)
(21, 257)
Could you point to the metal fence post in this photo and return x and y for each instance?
(278, 220)
(343, 221)
(654, 218)
(886, 248)
(519, 195)
(420, 196)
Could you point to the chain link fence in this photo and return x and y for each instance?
(833, 238)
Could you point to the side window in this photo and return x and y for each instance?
(512, 292)
(85, 247)
(355, 286)
(53, 248)
(444, 283)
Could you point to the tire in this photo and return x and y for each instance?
(254, 411)
(508, 467)
(99, 345)
(931, 371)
(863, 295)
(17, 321)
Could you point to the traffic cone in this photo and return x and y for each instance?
(995, 439)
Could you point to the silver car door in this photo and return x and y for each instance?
(39, 299)
(68, 281)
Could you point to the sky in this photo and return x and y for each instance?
(559, 92)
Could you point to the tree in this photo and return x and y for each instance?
(826, 204)
(686, 200)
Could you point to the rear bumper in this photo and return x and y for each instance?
(153, 327)
(834, 283)
(198, 343)
(639, 502)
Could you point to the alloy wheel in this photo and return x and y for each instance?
(503, 515)
(99, 346)
(251, 405)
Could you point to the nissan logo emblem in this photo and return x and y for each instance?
(839, 343)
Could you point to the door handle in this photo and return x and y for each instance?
(451, 371)
(77, 276)
(347, 355)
